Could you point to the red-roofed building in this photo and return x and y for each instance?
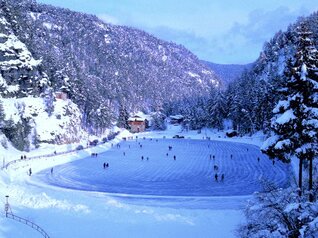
(137, 124)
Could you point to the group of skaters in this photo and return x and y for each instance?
(213, 156)
(140, 145)
(216, 177)
(167, 154)
(142, 158)
(30, 171)
(23, 157)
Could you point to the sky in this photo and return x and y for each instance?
(220, 31)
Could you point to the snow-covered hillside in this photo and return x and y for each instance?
(62, 126)
(103, 67)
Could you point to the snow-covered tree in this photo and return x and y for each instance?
(217, 109)
(279, 213)
(295, 123)
(158, 122)
(18, 133)
(122, 120)
(49, 101)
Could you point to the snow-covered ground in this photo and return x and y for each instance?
(159, 197)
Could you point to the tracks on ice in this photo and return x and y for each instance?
(190, 175)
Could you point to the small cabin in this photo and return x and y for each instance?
(61, 95)
(137, 124)
(177, 119)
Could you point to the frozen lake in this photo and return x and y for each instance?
(191, 174)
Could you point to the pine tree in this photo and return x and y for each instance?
(158, 122)
(295, 122)
(217, 109)
(49, 101)
(122, 121)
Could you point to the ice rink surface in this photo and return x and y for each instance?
(148, 167)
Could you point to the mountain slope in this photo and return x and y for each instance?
(227, 73)
(252, 99)
(105, 67)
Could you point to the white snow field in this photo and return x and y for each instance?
(158, 197)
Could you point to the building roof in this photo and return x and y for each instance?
(136, 118)
(176, 117)
(139, 116)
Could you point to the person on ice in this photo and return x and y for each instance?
(51, 170)
(104, 165)
(222, 177)
(216, 177)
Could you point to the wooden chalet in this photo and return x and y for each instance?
(137, 124)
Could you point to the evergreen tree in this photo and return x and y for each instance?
(279, 213)
(49, 101)
(122, 121)
(295, 122)
(8, 128)
(18, 133)
(217, 109)
(158, 122)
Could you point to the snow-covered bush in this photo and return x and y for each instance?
(279, 213)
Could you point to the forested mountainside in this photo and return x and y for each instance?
(103, 68)
(227, 73)
(252, 98)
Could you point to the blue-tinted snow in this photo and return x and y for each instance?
(192, 174)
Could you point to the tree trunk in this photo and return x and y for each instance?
(311, 195)
(300, 176)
